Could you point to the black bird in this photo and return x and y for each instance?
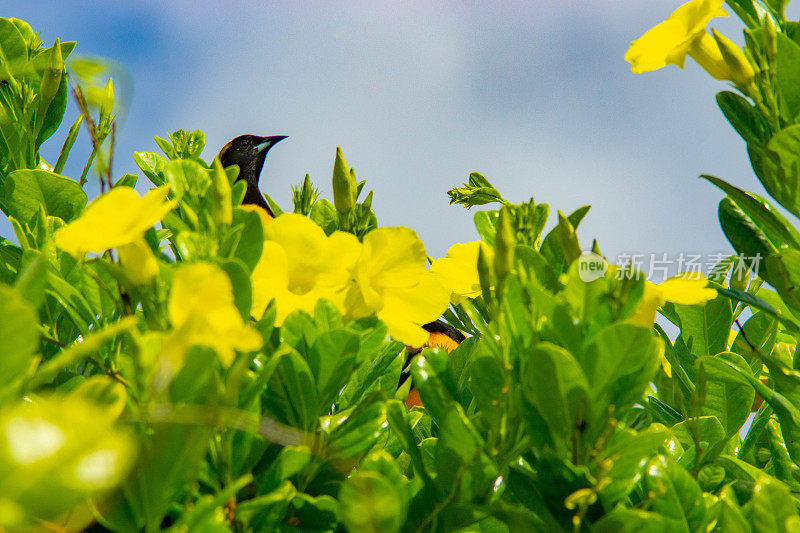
(248, 153)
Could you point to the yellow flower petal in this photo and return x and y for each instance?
(138, 261)
(687, 289)
(458, 270)
(391, 280)
(670, 41)
(300, 264)
(270, 272)
(393, 257)
(113, 219)
(202, 311)
(652, 299)
(405, 310)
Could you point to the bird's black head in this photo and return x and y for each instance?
(248, 153)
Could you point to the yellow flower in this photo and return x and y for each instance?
(682, 34)
(118, 219)
(139, 262)
(202, 312)
(265, 217)
(114, 219)
(688, 288)
(458, 271)
(392, 281)
(300, 264)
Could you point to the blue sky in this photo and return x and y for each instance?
(534, 95)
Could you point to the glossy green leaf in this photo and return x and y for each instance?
(152, 164)
(18, 329)
(744, 117)
(769, 220)
(371, 503)
(675, 494)
(728, 399)
(26, 190)
(773, 509)
(557, 388)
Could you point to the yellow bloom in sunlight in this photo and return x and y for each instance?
(458, 270)
(114, 219)
(118, 219)
(300, 264)
(689, 288)
(392, 281)
(202, 312)
(138, 261)
(682, 34)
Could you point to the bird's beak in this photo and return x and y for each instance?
(269, 142)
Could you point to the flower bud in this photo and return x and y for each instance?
(344, 185)
(741, 71)
(770, 40)
(221, 190)
(503, 245)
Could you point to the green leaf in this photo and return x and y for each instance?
(557, 388)
(727, 513)
(152, 164)
(787, 73)
(371, 503)
(485, 222)
(325, 215)
(266, 511)
(706, 327)
(26, 190)
(358, 431)
(760, 331)
(628, 451)
(32, 277)
(758, 303)
(745, 10)
(66, 148)
(782, 271)
(675, 494)
(773, 509)
(290, 461)
(769, 220)
(300, 390)
(780, 166)
(240, 281)
(332, 360)
(14, 50)
(727, 399)
(626, 520)
(744, 117)
(787, 411)
(251, 240)
(620, 362)
(551, 247)
(741, 231)
(19, 331)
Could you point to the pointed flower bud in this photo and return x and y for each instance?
(740, 70)
(344, 185)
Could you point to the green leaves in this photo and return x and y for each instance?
(674, 494)
(477, 191)
(18, 328)
(26, 190)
